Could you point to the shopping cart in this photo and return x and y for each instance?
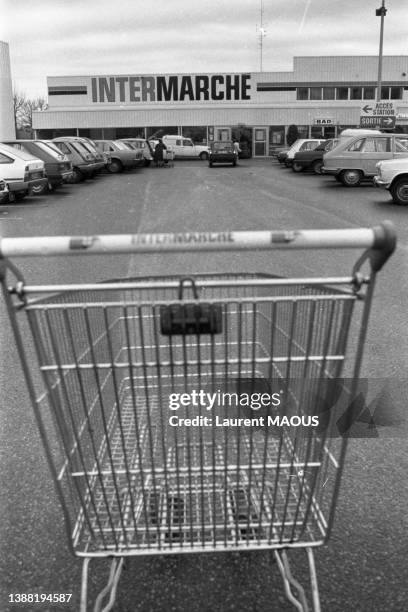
(118, 360)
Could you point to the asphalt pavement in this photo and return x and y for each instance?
(363, 568)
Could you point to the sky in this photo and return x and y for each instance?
(87, 37)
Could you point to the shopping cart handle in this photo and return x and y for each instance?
(385, 241)
(380, 239)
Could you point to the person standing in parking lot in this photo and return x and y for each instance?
(237, 148)
(158, 153)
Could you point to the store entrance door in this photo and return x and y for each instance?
(260, 141)
(223, 133)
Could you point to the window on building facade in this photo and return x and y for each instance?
(329, 93)
(369, 93)
(341, 93)
(130, 132)
(198, 134)
(316, 132)
(315, 93)
(303, 131)
(396, 93)
(302, 93)
(356, 93)
(277, 134)
(385, 93)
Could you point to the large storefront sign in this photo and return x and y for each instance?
(171, 88)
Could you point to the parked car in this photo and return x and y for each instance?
(392, 174)
(21, 171)
(84, 163)
(101, 158)
(184, 147)
(301, 144)
(355, 159)
(57, 166)
(121, 155)
(312, 159)
(4, 192)
(222, 152)
(282, 154)
(144, 146)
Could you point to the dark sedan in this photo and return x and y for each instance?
(223, 152)
(313, 159)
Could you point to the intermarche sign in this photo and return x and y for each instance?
(379, 114)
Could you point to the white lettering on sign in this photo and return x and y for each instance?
(183, 88)
(380, 109)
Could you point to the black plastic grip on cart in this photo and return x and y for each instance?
(385, 240)
(192, 318)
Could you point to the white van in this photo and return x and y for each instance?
(185, 147)
(21, 171)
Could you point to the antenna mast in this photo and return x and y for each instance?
(262, 34)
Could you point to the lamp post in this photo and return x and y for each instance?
(381, 12)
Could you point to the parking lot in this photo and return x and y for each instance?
(367, 553)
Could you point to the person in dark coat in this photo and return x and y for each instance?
(158, 152)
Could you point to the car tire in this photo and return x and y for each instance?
(399, 191)
(147, 163)
(296, 167)
(287, 163)
(77, 176)
(114, 166)
(40, 189)
(20, 195)
(317, 166)
(203, 156)
(351, 178)
(210, 164)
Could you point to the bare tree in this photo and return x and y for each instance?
(24, 107)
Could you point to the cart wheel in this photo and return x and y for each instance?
(351, 178)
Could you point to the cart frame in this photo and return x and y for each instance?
(198, 492)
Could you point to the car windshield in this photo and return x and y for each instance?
(222, 146)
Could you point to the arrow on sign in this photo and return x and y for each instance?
(367, 108)
(388, 121)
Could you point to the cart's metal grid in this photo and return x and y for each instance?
(129, 481)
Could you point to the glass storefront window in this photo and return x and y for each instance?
(316, 132)
(356, 93)
(198, 134)
(302, 93)
(133, 132)
(157, 132)
(385, 93)
(277, 135)
(303, 131)
(315, 93)
(369, 93)
(329, 131)
(341, 93)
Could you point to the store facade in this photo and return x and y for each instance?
(321, 96)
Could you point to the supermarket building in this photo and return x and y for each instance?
(321, 96)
